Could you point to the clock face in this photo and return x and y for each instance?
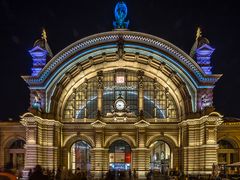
(120, 105)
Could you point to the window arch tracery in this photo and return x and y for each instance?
(127, 84)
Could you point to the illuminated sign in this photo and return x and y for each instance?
(120, 79)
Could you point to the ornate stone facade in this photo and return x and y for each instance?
(165, 97)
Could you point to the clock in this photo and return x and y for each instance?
(120, 104)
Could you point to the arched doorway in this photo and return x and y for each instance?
(15, 157)
(119, 156)
(80, 156)
(227, 152)
(160, 157)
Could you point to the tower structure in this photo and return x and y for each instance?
(202, 52)
(40, 52)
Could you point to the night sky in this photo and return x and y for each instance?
(21, 24)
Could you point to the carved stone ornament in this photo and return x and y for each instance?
(142, 124)
(98, 124)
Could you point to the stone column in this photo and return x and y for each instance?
(99, 155)
(100, 91)
(167, 102)
(140, 161)
(140, 91)
(99, 162)
(155, 98)
(141, 154)
(31, 147)
(74, 104)
(86, 97)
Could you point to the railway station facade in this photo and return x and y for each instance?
(121, 100)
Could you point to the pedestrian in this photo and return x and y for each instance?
(58, 174)
(30, 173)
(129, 173)
(134, 174)
(38, 174)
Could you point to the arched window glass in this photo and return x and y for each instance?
(223, 144)
(157, 101)
(83, 101)
(227, 152)
(18, 144)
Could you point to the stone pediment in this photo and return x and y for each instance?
(98, 124)
(142, 123)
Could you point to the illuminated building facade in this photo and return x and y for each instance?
(121, 100)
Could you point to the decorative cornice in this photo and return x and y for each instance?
(213, 119)
(30, 118)
(112, 37)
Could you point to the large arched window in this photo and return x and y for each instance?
(83, 101)
(120, 83)
(227, 152)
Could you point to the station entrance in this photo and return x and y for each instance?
(119, 156)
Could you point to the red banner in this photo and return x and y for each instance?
(127, 157)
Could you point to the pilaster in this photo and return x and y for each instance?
(100, 91)
(99, 162)
(200, 146)
(140, 91)
(99, 155)
(42, 142)
(140, 155)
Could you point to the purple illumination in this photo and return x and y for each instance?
(39, 57)
(203, 56)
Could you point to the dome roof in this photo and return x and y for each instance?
(202, 41)
(41, 43)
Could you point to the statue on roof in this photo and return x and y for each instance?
(44, 35)
(199, 41)
(42, 43)
(120, 13)
(198, 33)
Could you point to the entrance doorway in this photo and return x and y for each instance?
(228, 153)
(120, 156)
(160, 157)
(15, 158)
(80, 156)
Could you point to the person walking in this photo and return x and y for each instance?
(38, 174)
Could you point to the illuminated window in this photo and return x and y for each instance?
(120, 79)
(157, 101)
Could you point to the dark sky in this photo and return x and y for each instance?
(68, 21)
